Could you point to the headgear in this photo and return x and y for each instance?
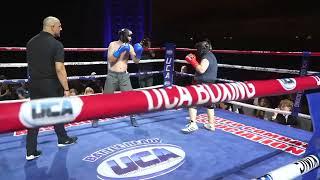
(145, 42)
(124, 35)
(203, 47)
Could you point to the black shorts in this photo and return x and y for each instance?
(45, 88)
(209, 105)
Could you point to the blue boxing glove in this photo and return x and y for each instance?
(123, 48)
(138, 49)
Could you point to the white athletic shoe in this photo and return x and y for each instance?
(209, 127)
(33, 156)
(192, 126)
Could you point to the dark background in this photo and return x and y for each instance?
(252, 24)
(82, 21)
(246, 25)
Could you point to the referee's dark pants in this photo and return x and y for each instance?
(44, 88)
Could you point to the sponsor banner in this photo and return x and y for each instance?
(168, 65)
(44, 112)
(139, 159)
(178, 96)
(317, 79)
(16, 116)
(257, 135)
(288, 83)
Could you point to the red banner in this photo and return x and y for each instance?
(44, 112)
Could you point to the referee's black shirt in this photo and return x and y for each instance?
(43, 50)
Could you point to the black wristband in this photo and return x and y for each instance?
(66, 90)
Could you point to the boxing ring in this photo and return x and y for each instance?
(242, 147)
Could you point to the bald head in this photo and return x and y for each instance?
(52, 25)
(50, 21)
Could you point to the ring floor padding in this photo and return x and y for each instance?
(200, 155)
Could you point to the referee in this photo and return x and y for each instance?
(47, 78)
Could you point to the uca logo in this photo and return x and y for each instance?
(288, 83)
(143, 159)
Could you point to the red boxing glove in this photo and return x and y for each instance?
(191, 59)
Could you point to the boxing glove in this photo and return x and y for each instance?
(191, 59)
(123, 48)
(138, 49)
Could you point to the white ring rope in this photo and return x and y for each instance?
(28, 99)
(312, 161)
(18, 65)
(84, 77)
(253, 106)
(184, 74)
(267, 109)
(264, 69)
(276, 70)
(294, 169)
(226, 80)
(191, 75)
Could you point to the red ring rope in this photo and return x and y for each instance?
(280, 53)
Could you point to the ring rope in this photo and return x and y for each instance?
(287, 71)
(18, 65)
(276, 70)
(184, 74)
(267, 109)
(293, 170)
(254, 68)
(226, 80)
(159, 60)
(172, 93)
(253, 106)
(282, 53)
(88, 77)
(66, 49)
(16, 115)
(279, 53)
(253, 89)
(28, 99)
(192, 75)
(19, 49)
